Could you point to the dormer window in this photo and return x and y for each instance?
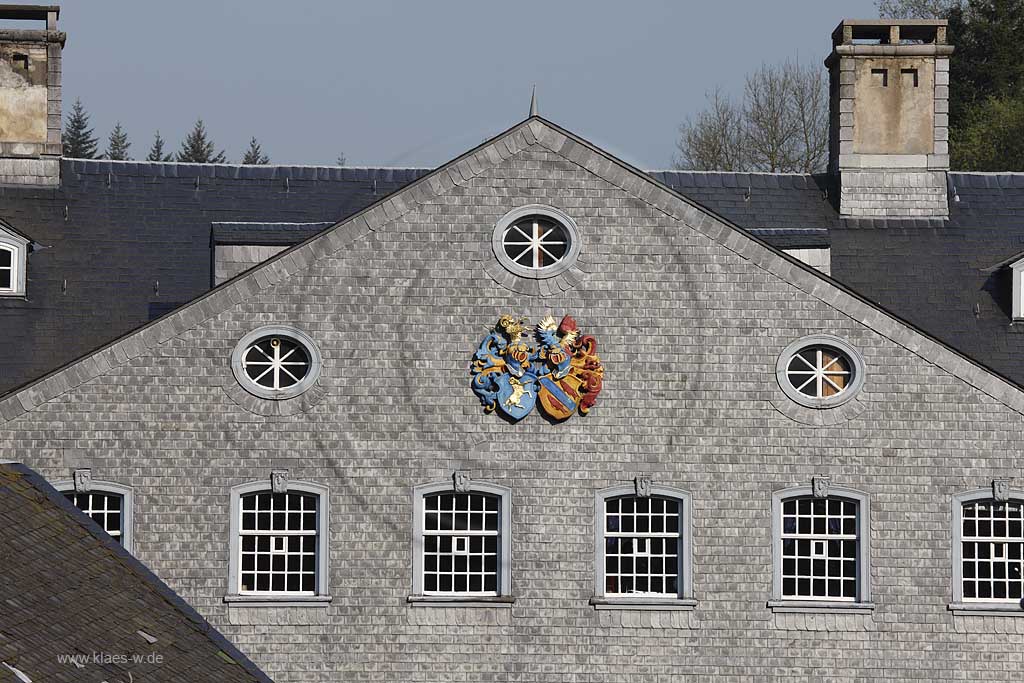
(1017, 269)
(13, 257)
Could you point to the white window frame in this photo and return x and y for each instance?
(851, 390)
(967, 606)
(321, 597)
(684, 598)
(504, 593)
(293, 334)
(18, 247)
(550, 213)
(863, 599)
(109, 488)
(1017, 270)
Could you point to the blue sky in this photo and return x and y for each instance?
(417, 83)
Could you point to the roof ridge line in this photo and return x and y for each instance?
(804, 277)
(135, 342)
(764, 173)
(148, 162)
(534, 130)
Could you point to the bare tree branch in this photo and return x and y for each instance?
(781, 125)
(916, 9)
(713, 141)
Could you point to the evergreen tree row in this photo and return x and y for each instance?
(197, 147)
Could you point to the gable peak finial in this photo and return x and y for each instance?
(533, 101)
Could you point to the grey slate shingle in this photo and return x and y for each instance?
(70, 589)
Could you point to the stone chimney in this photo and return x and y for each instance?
(30, 116)
(889, 96)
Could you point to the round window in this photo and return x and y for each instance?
(820, 371)
(276, 362)
(536, 241)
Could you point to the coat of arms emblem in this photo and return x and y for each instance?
(555, 366)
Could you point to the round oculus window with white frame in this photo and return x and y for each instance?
(276, 362)
(820, 371)
(536, 241)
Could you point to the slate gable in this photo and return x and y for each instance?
(690, 314)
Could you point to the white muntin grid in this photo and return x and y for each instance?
(992, 545)
(820, 553)
(276, 362)
(642, 546)
(461, 533)
(819, 372)
(278, 548)
(535, 242)
(106, 509)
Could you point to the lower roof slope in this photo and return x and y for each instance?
(118, 240)
(948, 277)
(119, 243)
(69, 589)
(534, 130)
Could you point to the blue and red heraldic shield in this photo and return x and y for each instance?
(555, 367)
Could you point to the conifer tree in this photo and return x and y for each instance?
(117, 144)
(156, 152)
(198, 148)
(255, 155)
(79, 142)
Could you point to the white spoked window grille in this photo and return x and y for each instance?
(461, 543)
(105, 508)
(820, 548)
(992, 550)
(642, 546)
(536, 242)
(279, 548)
(819, 371)
(276, 362)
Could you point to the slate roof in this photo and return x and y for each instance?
(265, 234)
(69, 589)
(776, 203)
(119, 240)
(125, 242)
(463, 169)
(948, 277)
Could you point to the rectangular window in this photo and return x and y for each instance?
(992, 547)
(105, 509)
(880, 77)
(642, 546)
(909, 77)
(820, 558)
(278, 543)
(461, 534)
(6, 269)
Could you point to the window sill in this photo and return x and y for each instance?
(820, 607)
(645, 603)
(987, 609)
(278, 600)
(500, 601)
